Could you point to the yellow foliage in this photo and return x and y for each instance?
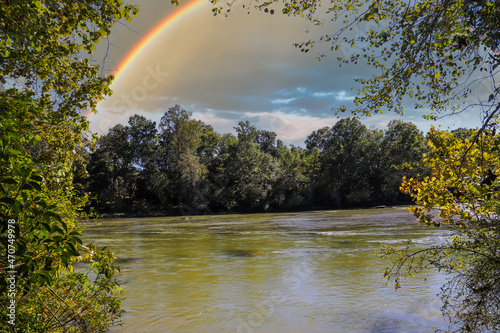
(459, 181)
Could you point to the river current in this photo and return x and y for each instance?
(275, 273)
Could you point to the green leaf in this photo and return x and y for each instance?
(56, 229)
(25, 172)
(73, 249)
(8, 201)
(36, 178)
(75, 240)
(44, 232)
(53, 215)
(107, 273)
(27, 187)
(48, 263)
(41, 203)
(35, 186)
(11, 181)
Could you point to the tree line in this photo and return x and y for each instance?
(183, 166)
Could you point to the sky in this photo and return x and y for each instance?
(230, 69)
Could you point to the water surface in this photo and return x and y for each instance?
(295, 272)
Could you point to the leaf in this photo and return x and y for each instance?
(368, 17)
(36, 178)
(75, 240)
(44, 232)
(56, 229)
(35, 186)
(9, 181)
(73, 249)
(437, 75)
(27, 187)
(8, 201)
(108, 273)
(48, 263)
(53, 215)
(25, 172)
(41, 203)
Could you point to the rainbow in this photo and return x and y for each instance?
(150, 37)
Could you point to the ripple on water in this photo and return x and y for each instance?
(309, 272)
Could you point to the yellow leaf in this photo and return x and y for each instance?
(437, 75)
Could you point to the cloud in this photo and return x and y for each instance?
(290, 128)
(342, 96)
(283, 101)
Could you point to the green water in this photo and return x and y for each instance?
(296, 272)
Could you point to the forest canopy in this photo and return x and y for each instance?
(182, 166)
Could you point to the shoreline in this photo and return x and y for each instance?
(187, 216)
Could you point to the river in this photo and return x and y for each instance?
(275, 273)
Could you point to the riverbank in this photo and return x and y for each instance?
(180, 214)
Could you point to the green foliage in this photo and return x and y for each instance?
(44, 236)
(46, 85)
(191, 169)
(41, 45)
(71, 303)
(357, 166)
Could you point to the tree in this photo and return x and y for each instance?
(345, 150)
(112, 169)
(47, 82)
(242, 175)
(143, 140)
(291, 187)
(145, 190)
(219, 177)
(464, 190)
(267, 141)
(189, 167)
(180, 138)
(402, 148)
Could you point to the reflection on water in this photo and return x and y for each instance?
(296, 272)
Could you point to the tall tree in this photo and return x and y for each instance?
(344, 164)
(291, 187)
(180, 138)
(142, 134)
(112, 168)
(402, 149)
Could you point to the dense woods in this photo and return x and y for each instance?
(182, 166)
